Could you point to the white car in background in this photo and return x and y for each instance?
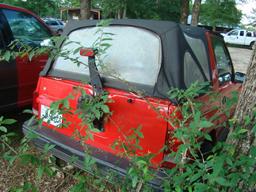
(55, 25)
(240, 37)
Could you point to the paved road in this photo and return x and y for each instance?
(240, 57)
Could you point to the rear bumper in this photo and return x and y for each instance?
(67, 148)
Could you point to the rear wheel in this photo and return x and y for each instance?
(60, 31)
(251, 44)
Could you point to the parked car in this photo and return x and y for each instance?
(18, 77)
(56, 25)
(152, 56)
(240, 37)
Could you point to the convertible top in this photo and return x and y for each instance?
(178, 41)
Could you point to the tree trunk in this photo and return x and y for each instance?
(119, 14)
(214, 28)
(184, 11)
(195, 12)
(124, 12)
(246, 107)
(85, 7)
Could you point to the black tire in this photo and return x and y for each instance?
(251, 44)
(60, 31)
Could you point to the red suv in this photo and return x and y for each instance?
(149, 56)
(18, 77)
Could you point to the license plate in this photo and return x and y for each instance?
(51, 117)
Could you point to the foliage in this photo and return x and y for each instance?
(197, 169)
(45, 8)
(140, 9)
(220, 13)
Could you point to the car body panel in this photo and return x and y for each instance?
(124, 107)
(18, 76)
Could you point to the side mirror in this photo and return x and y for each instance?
(239, 77)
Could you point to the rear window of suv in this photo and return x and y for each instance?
(134, 55)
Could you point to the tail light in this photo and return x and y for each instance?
(35, 106)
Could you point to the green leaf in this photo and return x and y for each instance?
(208, 137)
(222, 181)
(134, 181)
(242, 131)
(9, 121)
(7, 55)
(205, 124)
(3, 129)
(105, 108)
(48, 147)
(40, 172)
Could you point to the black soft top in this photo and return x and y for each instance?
(174, 47)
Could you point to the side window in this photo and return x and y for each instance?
(51, 23)
(248, 34)
(54, 23)
(233, 33)
(25, 27)
(241, 33)
(194, 71)
(223, 60)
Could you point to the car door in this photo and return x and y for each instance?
(241, 37)
(29, 30)
(53, 25)
(225, 85)
(8, 77)
(231, 37)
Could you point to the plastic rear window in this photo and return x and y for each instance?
(134, 54)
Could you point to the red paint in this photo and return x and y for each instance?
(27, 73)
(125, 115)
(130, 111)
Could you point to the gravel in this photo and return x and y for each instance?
(240, 58)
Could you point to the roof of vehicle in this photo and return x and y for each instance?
(174, 47)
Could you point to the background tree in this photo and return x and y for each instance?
(184, 11)
(140, 9)
(85, 7)
(42, 8)
(195, 12)
(220, 13)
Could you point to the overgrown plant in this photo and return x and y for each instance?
(217, 170)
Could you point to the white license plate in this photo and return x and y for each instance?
(50, 117)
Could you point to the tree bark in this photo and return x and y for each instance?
(195, 12)
(184, 11)
(85, 9)
(246, 107)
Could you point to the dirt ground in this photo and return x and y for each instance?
(17, 175)
(240, 57)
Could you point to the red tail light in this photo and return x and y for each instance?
(35, 106)
(89, 52)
